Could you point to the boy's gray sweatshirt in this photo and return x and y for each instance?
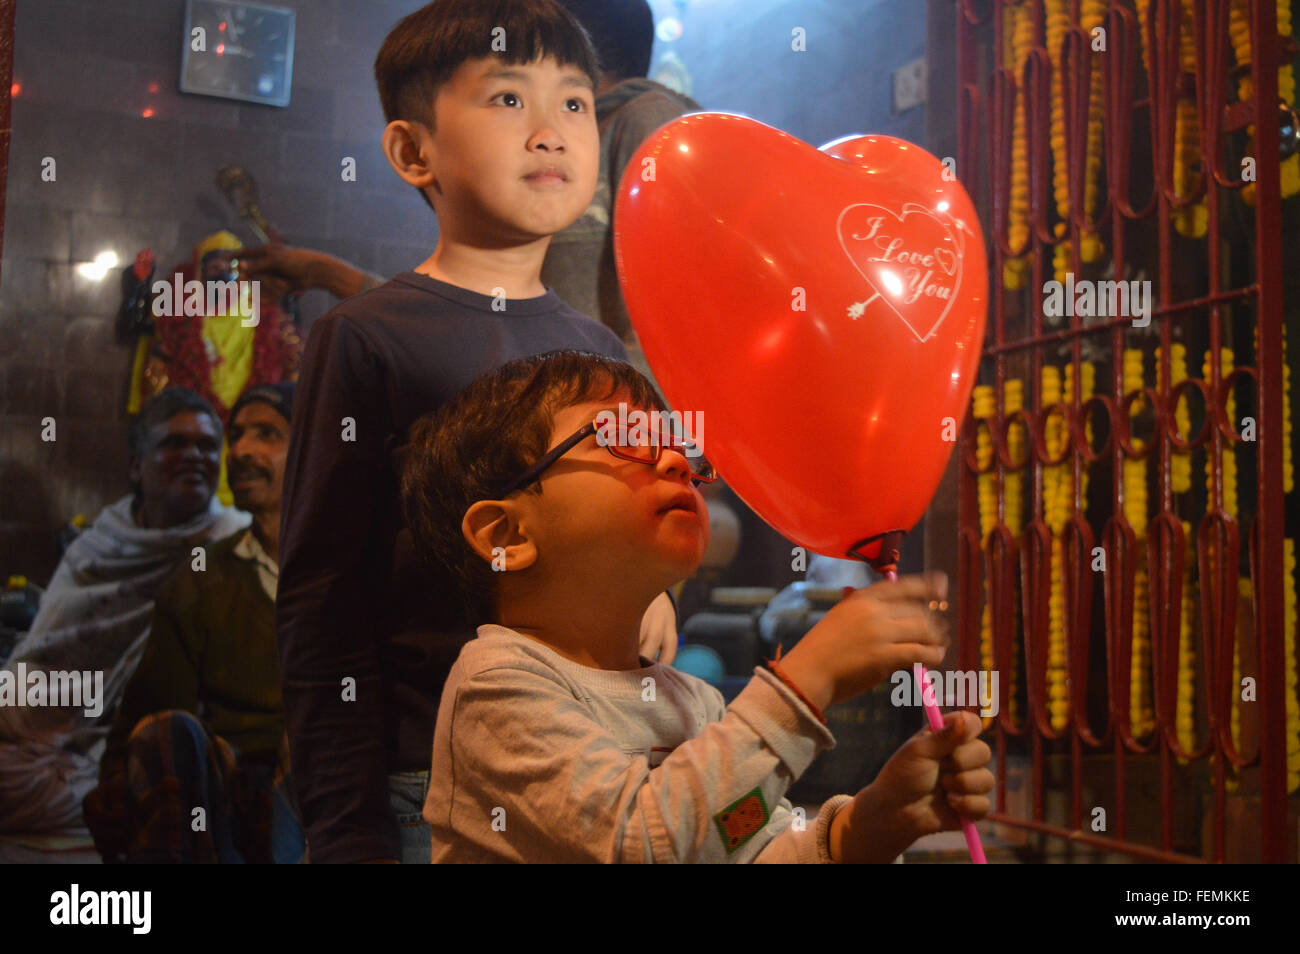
(539, 759)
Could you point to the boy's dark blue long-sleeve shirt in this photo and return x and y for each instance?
(353, 603)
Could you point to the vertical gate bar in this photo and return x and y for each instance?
(1166, 506)
(1166, 341)
(1075, 90)
(1117, 381)
(999, 377)
(1221, 626)
(1216, 319)
(965, 479)
(1265, 54)
(1001, 662)
(1035, 77)
(1162, 82)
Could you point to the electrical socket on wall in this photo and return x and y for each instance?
(909, 85)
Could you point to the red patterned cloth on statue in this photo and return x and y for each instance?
(219, 352)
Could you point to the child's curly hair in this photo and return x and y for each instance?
(488, 435)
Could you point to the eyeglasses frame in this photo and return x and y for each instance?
(532, 474)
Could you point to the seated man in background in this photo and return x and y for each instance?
(202, 721)
(96, 613)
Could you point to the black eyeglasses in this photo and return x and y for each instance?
(634, 444)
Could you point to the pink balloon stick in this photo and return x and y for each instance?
(935, 718)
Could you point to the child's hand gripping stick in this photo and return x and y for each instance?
(935, 718)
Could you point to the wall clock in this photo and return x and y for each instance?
(238, 51)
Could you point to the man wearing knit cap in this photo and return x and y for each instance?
(196, 769)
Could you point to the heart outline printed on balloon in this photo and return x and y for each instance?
(856, 309)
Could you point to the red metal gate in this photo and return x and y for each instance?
(1139, 610)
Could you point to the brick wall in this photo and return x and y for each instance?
(86, 73)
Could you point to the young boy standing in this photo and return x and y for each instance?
(555, 741)
(491, 117)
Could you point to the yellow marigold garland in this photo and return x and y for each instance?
(1180, 473)
(984, 408)
(1141, 704)
(1190, 220)
(1185, 713)
(1018, 34)
(1054, 477)
(1291, 666)
(1239, 36)
(1058, 502)
(1228, 461)
(1013, 482)
(1057, 23)
(1013, 491)
(1180, 477)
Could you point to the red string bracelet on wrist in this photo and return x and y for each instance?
(771, 664)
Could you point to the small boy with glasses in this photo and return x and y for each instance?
(555, 741)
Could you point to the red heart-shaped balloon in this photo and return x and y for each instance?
(823, 310)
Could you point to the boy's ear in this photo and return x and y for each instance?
(493, 531)
(409, 149)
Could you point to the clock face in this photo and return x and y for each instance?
(238, 51)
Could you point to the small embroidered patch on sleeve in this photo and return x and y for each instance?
(742, 819)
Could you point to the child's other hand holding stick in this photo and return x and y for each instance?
(922, 789)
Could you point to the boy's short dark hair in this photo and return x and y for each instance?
(623, 32)
(486, 436)
(422, 52)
